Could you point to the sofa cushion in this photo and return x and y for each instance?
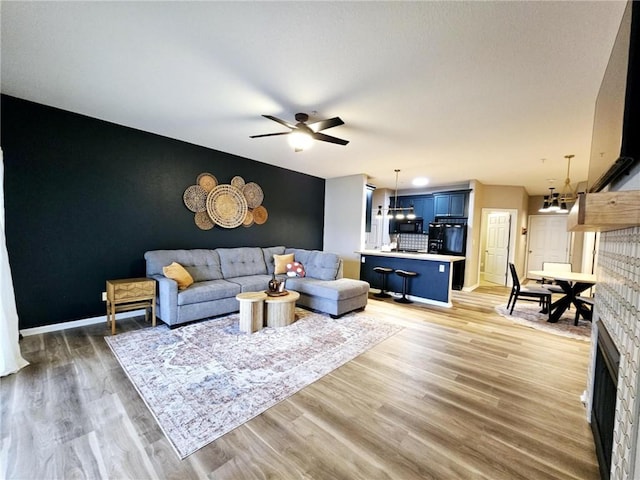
(208, 291)
(317, 264)
(176, 272)
(241, 262)
(281, 262)
(202, 264)
(295, 269)
(252, 283)
(340, 289)
(268, 253)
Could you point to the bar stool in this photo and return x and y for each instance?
(405, 276)
(384, 271)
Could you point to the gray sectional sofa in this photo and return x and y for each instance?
(220, 274)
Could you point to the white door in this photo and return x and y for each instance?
(497, 250)
(548, 240)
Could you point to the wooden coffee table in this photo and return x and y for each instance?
(251, 311)
(281, 311)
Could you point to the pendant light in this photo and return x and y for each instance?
(568, 192)
(397, 212)
(557, 202)
(548, 199)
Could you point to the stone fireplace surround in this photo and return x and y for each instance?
(617, 304)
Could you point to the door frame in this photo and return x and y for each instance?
(512, 237)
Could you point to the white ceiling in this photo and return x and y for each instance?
(449, 90)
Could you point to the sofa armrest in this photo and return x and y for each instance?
(167, 299)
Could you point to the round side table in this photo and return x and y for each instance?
(281, 311)
(251, 311)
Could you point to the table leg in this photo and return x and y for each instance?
(113, 318)
(571, 292)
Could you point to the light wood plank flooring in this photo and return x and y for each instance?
(459, 393)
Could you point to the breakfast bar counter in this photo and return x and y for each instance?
(432, 284)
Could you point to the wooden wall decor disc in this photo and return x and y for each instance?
(195, 198)
(227, 206)
(260, 215)
(237, 182)
(248, 219)
(207, 181)
(253, 193)
(203, 221)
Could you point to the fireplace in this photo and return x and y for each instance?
(603, 407)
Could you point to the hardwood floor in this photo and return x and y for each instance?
(459, 393)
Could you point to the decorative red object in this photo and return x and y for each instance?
(295, 269)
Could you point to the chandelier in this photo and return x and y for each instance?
(397, 212)
(557, 202)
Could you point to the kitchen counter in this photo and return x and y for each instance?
(433, 284)
(413, 255)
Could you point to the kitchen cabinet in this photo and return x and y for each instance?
(428, 212)
(418, 202)
(453, 204)
(369, 208)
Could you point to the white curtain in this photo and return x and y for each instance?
(10, 358)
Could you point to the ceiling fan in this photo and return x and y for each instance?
(301, 132)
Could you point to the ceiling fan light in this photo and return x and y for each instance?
(300, 141)
(563, 208)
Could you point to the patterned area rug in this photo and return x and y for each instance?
(203, 380)
(528, 314)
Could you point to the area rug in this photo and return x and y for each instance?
(528, 314)
(203, 380)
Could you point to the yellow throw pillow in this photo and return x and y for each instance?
(281, 262)
(177, 272)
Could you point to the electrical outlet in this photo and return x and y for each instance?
(441, 268)
(104, 296)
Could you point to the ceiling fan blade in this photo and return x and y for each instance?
(324, 124)
(269, 134)
(280, 121)
(328, 138)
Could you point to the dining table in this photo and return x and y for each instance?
(572, 284)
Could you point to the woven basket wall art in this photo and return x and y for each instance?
(207, 181)
(227, 206)
(195, 198)
(203, 221)
(248, 219)
(237, 182)
(253, 193)
(260, 215)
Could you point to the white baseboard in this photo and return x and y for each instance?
(77, 323)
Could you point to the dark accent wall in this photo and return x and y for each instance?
(84, 199)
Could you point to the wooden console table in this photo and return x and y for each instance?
(128, 294)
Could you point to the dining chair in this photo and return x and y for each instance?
(540, 294)
(554, 267)
(584, 308)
